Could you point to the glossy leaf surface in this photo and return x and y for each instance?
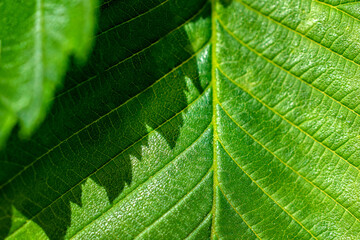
(196, 120)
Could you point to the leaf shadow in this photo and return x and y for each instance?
(106, 106)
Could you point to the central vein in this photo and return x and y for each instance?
(215, 100)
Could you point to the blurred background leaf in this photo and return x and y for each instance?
(37, 39)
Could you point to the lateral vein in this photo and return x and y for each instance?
(295, 31)
(282, 161)
(334, 152)
(267, 194)
(232, 206)
(103, 116)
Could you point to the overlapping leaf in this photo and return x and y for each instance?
(195, 120)
(36, 39)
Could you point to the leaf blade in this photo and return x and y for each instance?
(233, 123)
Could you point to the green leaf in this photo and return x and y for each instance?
(231, 119)
(36, 39)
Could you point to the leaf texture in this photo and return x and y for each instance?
(36, 39)
(229, 119)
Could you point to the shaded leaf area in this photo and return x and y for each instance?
(139, 111)
(37, 38)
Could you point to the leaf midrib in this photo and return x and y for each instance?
(214, 103)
